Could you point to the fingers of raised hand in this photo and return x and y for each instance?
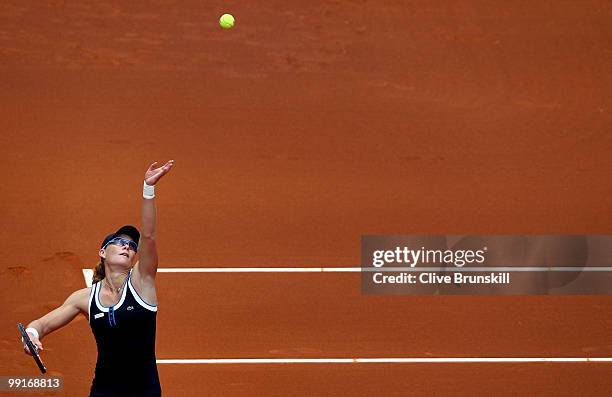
(168, 165)
(153, 174)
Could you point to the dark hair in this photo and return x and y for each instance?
(99, 272)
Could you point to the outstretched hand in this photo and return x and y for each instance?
(154, 174)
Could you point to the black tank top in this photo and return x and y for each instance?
(125, 336)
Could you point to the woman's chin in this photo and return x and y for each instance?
(122, 261)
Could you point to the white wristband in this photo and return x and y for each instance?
(33, 332)
(148, 192)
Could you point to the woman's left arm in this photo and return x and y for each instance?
(147, 248)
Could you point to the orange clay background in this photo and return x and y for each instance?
(309, 124)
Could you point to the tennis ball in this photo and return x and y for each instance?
(226, 21)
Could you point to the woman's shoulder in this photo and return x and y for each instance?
(81, 292)
(80, 298)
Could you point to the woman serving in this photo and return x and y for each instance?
(121, 306)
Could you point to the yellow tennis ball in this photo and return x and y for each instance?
(227, 21)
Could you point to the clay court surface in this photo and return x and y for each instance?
(305, 127)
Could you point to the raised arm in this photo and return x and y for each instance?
(57, 318)
(147, 264)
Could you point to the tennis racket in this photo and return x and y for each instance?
(32, 347)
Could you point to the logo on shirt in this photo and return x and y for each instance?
(130, 307)
(99, 315)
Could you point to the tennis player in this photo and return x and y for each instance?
(121, 306)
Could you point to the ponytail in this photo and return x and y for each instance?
(99, 272)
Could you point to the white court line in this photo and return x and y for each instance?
(380, 269)
(257, 269)
(394, 360)
(88, 273)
